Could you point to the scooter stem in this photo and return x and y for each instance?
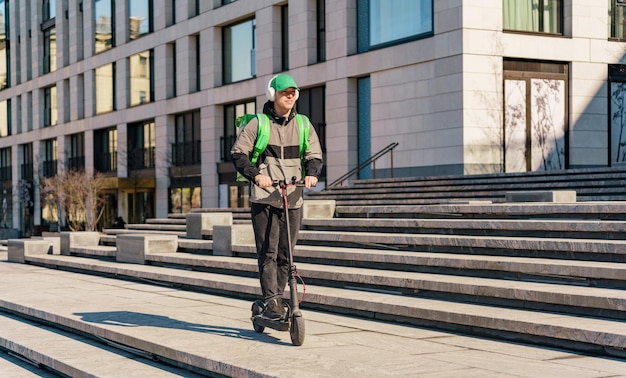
(293, 293)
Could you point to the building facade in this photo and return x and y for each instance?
(146, 92)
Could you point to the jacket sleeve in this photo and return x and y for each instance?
(313, 162)
(242, 150)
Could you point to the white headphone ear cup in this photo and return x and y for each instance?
(270, 92)
(297, 95)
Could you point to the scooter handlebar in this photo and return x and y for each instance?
(284, 183)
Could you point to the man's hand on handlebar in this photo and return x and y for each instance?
(310, 181)
(263, 181)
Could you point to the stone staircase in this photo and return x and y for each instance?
(549, 274)
(597, 184)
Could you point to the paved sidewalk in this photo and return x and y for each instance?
(218, 329)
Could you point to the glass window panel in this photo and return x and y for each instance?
(140, 18)
(547, 124)
(4, 45)
(141, 81)
(105, 88)
(50, 106)
(5, 119)
(105, 25)
(239, 52)
(515, 126)
(618, 122)
(49, 9)
(541, 16)
(392, 20)
(50, 50)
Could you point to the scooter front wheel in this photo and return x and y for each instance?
(257, 310)
(296, 331)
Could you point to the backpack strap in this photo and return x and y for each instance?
(262, 138)
(303, 125)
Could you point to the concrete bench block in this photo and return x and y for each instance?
(556, 196)
(318, 209)
(71, 239)
(225, 236)
(55, 240)
(18, 249)
(197, 222)
(132, 248)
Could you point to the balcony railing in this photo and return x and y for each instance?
(141, 158)
(27, 171)
(76, 163)
(226, 144)
(106, 162)
(187, 153)
(49, 168)
(6, 173)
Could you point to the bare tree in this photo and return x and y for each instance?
(77, 194)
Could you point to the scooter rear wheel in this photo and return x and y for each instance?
(257, 310)
(296, 331)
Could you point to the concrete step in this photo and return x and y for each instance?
(580, 210)
(182, 221)
(157, 227)
(546, 296)
(73, 355)
(547, 328)
(578, 229)
(590, 185)
(577, 249)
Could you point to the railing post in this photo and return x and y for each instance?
(392, 175)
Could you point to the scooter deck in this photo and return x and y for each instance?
(279, 325)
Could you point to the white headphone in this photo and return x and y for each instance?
(270, 92)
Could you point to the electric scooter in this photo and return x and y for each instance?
(293, 320)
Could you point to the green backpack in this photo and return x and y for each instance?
(263, 136)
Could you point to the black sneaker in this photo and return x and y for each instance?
(274, 310)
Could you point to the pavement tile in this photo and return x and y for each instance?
(217, 330)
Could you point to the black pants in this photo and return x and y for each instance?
(270, 233)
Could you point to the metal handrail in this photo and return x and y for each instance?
(371, 160)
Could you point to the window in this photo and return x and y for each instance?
(27, 161)
(364, 119)
(141, 67)
(386, 22)
(231, 112)
(186, 147)
(535, 116)
(105, 88)
(140, 18)
(195, 8)
(105, 25)
(321, 30)
(536, 16)
(105, 150)
(183, 199)
(284, 37)
(49, 50)
(224, 2)
(5, 52)
(141, 145)
(171, 76)
(198, 63)
(49, 9)
(76, 158)
(5, 118)
(312, 102)
(50, 106)
(239, 51)
(5, 164)
(50, 157)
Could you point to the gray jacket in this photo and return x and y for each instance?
(281, 158)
